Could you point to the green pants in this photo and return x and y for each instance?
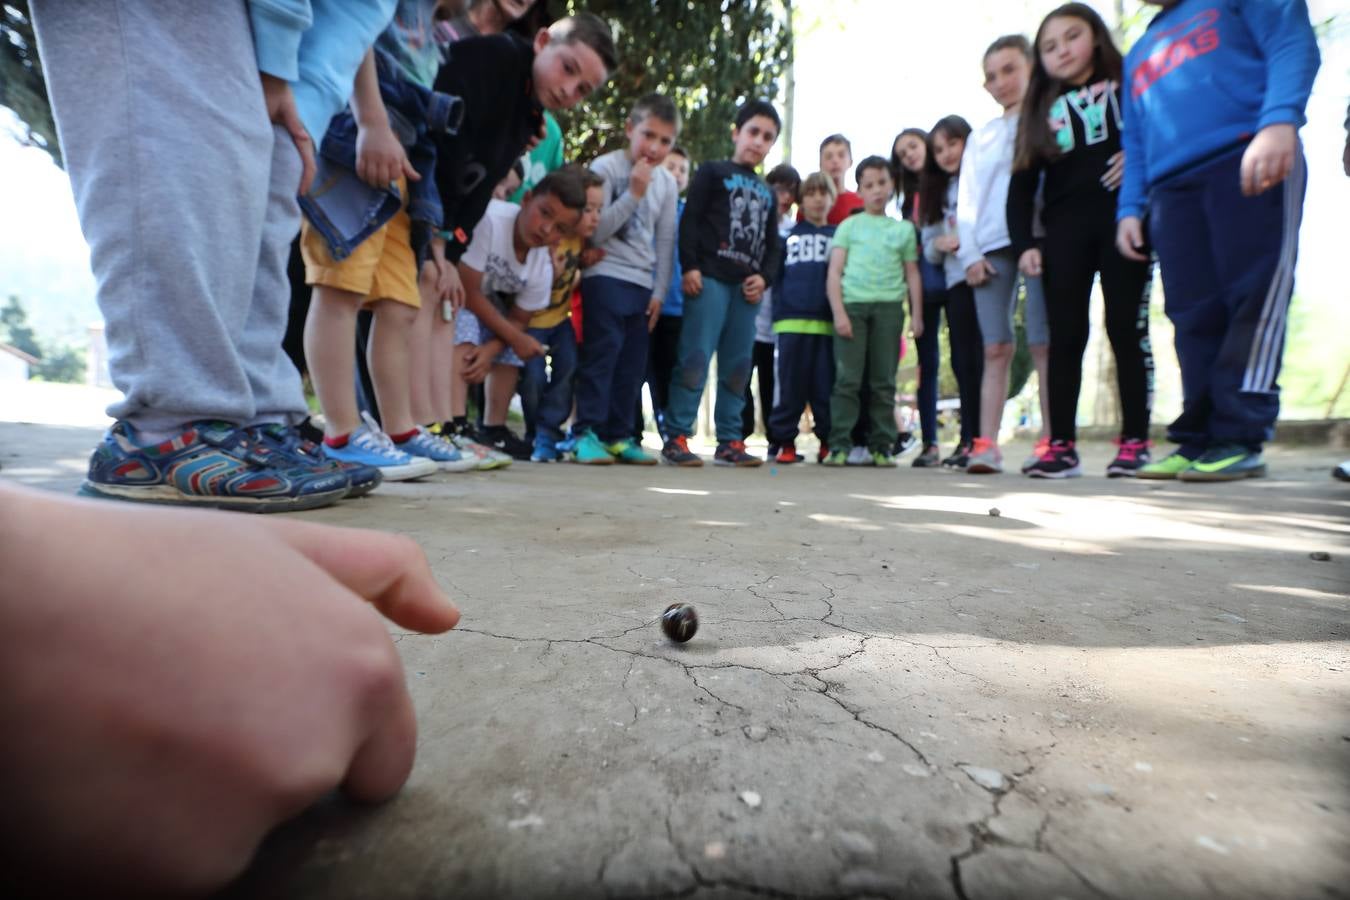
(875, 345)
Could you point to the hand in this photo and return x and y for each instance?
(478, 361)
(558, 256)
(538, 137)
(1268, 158)
(449, 285)
(842, 326)
(1030, 263)
(640, 178)
(978, 272)
(753, 288)
(1130, 239)
(916, 327)
(591, 255)
(527, 347)
(691, 285)
(947, 243)
(281, 111)
(380, 158)
(653, 313)
(236, 703)
(1115, 171)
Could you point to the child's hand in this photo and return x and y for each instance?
(641, 177)
(653, 313)
(478, 361)
(753, 288)
(1115, 171)
(1130, 239)
(916, 327)
(558, 256)
(527, 347)
(1268, 158)
(1030, 263)
(947, 243)
(281, 111)
(380, 158)
(691, 285)
(538, 137)
(842, 326)
(591, 255)
(449, 285)
(977, 273)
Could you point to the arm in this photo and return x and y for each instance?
(773, 251)
(380, 158)
(506, 330)
(1285, 35)
(695, 208)
(914, 281)
(1022, 208)
(834, 290)
(930, 249)
(967, 207)
(278, 26)
(665, 254)
(617, 211)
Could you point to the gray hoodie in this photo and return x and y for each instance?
(950, 262)
(638, 236)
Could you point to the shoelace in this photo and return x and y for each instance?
(376, 436)
(1130, 450)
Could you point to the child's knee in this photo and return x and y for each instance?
(692, 370)
(394, 314)
(999, 352)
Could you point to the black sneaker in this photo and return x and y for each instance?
(676, 452)
(904, 442)
(1133, 454)
(1060, 460)
(959, 459)
(928, 459)
(732, 453)
(504, 440)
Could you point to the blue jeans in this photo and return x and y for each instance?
(720, 320)
(613, 355)
(546, 392)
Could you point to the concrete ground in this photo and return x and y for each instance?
(1109, 689)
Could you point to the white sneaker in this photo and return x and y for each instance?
(859, 456)
(438, 450)
(484, 458)
(370, 446)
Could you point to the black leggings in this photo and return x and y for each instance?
(763, 360)
(1074, 252)
(967, 357)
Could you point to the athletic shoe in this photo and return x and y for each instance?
(1167, 468)
(485, 458)
(836, 459)
(1042, 445)
(676, 452)
(859, 456)
(1060, 460)
(212, 465)
(504, 440)
(985, 458)
(630, 452)
(1225, 462)
(1342, 472)
(732, 453)
(959, 459)
(771, 452)
(905, 441)
(787, 455)
(883, 460)
(590, 451)
(1131, 456)
(545, 450)
(927, 459)
(822, 452)
(361, 480)
(370, 446)
(437, 449)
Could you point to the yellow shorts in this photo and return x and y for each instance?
(382, 268)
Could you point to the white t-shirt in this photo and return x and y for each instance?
(492, 252)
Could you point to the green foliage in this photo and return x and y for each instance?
(64, 364)
(56, 363)
(708, 56)
(22, 87)
(15, 330)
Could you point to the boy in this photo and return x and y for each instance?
(550, 388)
(730, 232)
(836, 156)
(874, 268)
(622, 294)
(507, 273)
(1224, 204)
(802, 323)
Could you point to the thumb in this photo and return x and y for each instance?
(290, 120)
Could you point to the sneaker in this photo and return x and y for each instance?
(294, 442)
(1167, 468)
(883, 460)
(928, 459)
(985, 458)
(859, 456)
(677, 453)
(485, 458)
(959, 459)
(732, 453)
(630, 452)
(771, 452)
(822, 452)
(1060, 460)
(504, 440)
(440, 451)
(1342, 472)
(1225, 462)
(905, 441)
(1037, 452)
(545, 450)
(370, 446)
(590, 451)
(1131, 456)
(787, 455)
(836, 458)
(210, 464)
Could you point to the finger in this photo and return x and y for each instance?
(387, 570)
(384, 759)
(303, 144)
(409, 172)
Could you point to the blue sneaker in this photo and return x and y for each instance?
(370, 446)
(438, 450)
(545, 450)
(210, 464)
(361, 479)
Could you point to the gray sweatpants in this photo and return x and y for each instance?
(186, 195)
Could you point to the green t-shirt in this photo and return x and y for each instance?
(878, 248)
(545, 158)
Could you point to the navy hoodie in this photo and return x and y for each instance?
(799, 288)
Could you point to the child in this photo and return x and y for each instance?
(836, 158)
(802, 324)
(551, 326)
(507, 273)
(873, 269)
(622, 294)
(986, 254)
(1070, 135)
(787, 188)
(729, 232)
(937, 215)
(1214, 101)
(665, 338)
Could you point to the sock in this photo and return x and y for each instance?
(404, 437)
(337, 443)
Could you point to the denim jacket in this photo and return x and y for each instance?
(343, 208)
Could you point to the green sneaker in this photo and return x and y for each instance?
(630, 451)
(1165, 469)
(836, 458)
(883, 460)
(1225, 462)
(590, 452)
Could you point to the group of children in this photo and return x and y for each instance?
(575, 285)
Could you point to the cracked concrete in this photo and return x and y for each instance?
(1112, 689)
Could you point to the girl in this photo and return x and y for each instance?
(937, 218)
(1070, 133)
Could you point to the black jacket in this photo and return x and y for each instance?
(729, 230)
